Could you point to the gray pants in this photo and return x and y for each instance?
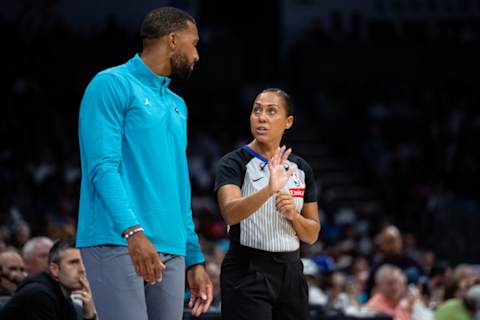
(120, 294)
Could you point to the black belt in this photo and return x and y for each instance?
(248, 252)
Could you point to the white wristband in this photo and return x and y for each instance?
(132, 232)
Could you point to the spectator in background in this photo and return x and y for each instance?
(390, 289)
(3, 243)
(336, 292)
(455, 288)
(311, 272)
(467, 272)
(20, 234)
(360, 270)
(466, 308)
(438, 276)
(35, 254)
(410, 247)
(348, 299)
(390, 242)
(47, 295)
(12, 271)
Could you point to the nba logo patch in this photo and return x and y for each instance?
(296, 180)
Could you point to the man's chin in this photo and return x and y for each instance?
(75, 286)
(182, 75)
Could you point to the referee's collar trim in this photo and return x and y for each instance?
(254, 153)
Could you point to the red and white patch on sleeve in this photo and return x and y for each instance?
(297, 192)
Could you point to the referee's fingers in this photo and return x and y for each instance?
(286, 154)
(277, 156)
(281, 196)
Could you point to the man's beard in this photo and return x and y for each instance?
(181, 69)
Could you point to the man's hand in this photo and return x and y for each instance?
(145, 258)
(15, 277)
(201, 290)
(85, 294)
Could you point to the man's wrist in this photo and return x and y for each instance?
(195, 265)
(131, 231)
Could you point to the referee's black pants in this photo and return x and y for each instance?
(260, 285)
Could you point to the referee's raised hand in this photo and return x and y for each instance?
(276, 165)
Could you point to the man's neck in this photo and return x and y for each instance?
(65, 291)
(157, 60)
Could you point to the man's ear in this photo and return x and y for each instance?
(172, 40)
(54, 270)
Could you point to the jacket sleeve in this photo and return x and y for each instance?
(194, 253)
(101, 122)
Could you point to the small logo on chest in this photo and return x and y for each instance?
(147, 102)
(296, 180)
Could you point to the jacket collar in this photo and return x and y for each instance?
(140, 70)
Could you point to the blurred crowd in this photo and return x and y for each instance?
(399, 280)
(406, 143)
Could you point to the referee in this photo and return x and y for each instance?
(267, 196)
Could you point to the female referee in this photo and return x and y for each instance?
(267, 197)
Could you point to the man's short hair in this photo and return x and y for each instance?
(385, 271)
(162, 21)
(29, 247)
(59, 248)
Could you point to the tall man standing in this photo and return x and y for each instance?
(135, 226)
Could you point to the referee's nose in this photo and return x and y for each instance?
(262, 117)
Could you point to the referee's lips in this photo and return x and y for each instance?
(261, 130)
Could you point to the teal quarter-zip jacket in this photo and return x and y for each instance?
(133, 140)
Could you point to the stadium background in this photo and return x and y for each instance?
(387, 110)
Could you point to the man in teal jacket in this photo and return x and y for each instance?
(135, 228)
